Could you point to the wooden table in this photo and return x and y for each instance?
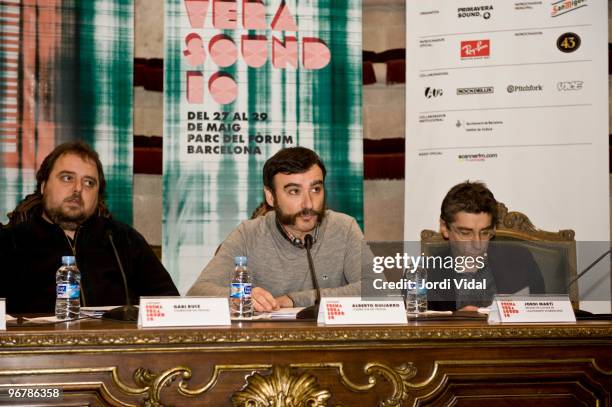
(462, 363)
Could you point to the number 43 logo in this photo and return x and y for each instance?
(568, 42)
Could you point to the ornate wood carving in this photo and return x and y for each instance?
(296, 384)
(399, 378)
(155, 383)
(281, 388)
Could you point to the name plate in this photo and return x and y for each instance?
(531, 308)
(2, 314)
(155, 312)
(354, 311)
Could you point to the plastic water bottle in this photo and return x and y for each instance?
(68, 289)
(240, 294)
(416, 293)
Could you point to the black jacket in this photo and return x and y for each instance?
(513, 269)
(31, 253)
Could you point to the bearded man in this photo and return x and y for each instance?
(294, 186)
(67, 216)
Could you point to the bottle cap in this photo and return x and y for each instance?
(68, 260)
(240, 260)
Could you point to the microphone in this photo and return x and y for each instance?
(312, 312)
(581, 314)
(126, 312)
(583, 272)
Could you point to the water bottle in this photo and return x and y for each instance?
(68, 289)
(416, 292)
(240, 293)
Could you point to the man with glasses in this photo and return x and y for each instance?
(467, 221)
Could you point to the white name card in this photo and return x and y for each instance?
(354, 311)
(2, 314)
(155, 312)
(531, 308)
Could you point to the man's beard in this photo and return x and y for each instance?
(289, 219)
(62, 218)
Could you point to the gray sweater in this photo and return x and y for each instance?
(281, 268)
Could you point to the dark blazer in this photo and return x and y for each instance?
(513, 269)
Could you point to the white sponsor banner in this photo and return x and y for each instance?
(512, 93)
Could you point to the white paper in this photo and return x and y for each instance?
(3, 315)
(183, 311)
(354, 311)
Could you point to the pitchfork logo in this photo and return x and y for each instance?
(475, 49)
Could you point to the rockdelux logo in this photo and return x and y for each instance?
(482, 90)
(475, 49)
(476, 11)
(565, 6)
(524, 88)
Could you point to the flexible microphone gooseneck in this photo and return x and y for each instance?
(581, 314)
(311, 312)
(126, 312)
(583, 272)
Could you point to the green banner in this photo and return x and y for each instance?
(243, 80)
(66, 73)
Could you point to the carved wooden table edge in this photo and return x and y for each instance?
(298, 333)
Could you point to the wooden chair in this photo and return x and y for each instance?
(554, 252)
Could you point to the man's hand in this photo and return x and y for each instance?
(284, 301)
(469, 308)
(263, 301)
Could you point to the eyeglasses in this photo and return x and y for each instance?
(468, 234)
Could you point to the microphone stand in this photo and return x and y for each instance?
(126, 312)
(586, 315)
(312, 312)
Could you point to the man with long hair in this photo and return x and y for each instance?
(67, 216)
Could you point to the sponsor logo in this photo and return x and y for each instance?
(524, 88)
(433, 93)
(569, 85)
(476, 157)
(568, 42)
(526, 5)
(482, 90)
(475, 49)
(565, 6)
(477, 11)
